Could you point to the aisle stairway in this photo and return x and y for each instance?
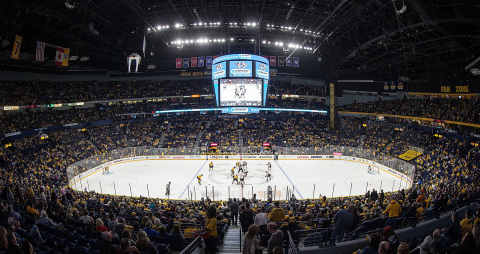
(231, 241)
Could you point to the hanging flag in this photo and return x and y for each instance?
(385, 86)
(273, 60)
(61, 56)
(178, 63)
(288, 63)
(40, 51)
(215, 57)
(194, 61)
(16, 47)
(296, 62)
(392, 86)
(66, 56)
(400, 85)
(266, 57)
(281, 62)
(186, 62)
(201, 61)
(209, 60)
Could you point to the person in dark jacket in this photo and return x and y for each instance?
(343, 221)
(453, 232)
(234, 211)
(246, 217)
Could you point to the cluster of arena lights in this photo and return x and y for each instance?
(237, 24)
(289, 45)
(199, 41)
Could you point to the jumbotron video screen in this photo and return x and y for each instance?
(240, 92)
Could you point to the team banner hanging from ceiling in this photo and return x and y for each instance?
(186, 62)
(288, 63)
(16, 47)
(392, 86)
(61, 56)
(178, 63)
(273, 60)
(281, 62)
(201, 61)
(40, 51)
(194, 61)
(400, 85)
(209, 60)
(296, 62)
(385, 86)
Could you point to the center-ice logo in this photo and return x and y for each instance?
(219, 67)
(241, 65)
(263, 67)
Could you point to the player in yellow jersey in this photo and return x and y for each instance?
(233, 172)
(210, 166)
(235, 179)
(199, 178)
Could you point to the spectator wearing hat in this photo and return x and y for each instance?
(291, 227)
(389, 235)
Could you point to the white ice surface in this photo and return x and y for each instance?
(308, 178)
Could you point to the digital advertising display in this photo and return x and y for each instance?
(240, 92)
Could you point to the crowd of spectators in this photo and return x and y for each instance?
(452, 109)
(38, 209)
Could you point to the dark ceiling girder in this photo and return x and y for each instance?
(425, 23)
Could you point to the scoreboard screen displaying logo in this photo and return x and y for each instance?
(240, 68)
(240, 80)
(240, 92)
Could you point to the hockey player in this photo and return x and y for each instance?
(167, 193)
(235, 179)
(199, 178)
(269, 165)
(369, 169)
(268, 176)
(232, 173)
(210, 166)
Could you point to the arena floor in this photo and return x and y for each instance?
(308, 178)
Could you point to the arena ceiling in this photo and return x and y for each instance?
(335, 39)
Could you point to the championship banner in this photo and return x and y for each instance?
(61, 56)
(392, 86)
(288, 63)
(194, 61)
(201, 61)
(385, 86)
(296, 62)
(16, 47)
(186, 62)
(40, 51)
(178, 63)
(209, 60)
(400, 85)
(273, 60)
(281, 62)
(409, 155)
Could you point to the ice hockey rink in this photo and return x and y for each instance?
(306, 178)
